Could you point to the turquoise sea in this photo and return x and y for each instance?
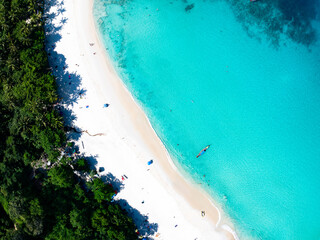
(242, 76)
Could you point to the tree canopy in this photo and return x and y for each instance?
(38, 201)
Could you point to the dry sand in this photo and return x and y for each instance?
(125, 140)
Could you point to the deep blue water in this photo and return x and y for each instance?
(242, 76)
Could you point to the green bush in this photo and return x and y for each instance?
(40, 201)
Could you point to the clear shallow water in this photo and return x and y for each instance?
(202, 78)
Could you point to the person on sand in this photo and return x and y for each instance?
(203, 213)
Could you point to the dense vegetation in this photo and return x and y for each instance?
(44, 191)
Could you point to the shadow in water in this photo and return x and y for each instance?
(275, 19)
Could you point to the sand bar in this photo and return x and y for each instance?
(119, 138)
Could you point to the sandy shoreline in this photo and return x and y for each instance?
(126, 140)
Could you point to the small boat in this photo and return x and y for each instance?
(203, 151)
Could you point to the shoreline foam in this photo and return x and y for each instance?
(126, 126)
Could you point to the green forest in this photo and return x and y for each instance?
(60, 200)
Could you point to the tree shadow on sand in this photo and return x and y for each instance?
(68, 83)
(145, 228)
(70, 91)
(115, 182)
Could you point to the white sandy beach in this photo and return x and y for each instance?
(125, 140)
